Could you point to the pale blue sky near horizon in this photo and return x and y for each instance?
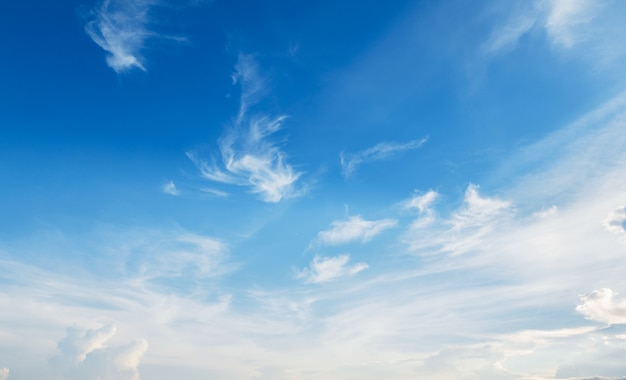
(312, 190)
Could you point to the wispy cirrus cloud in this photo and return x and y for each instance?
(352, 229)
(381, 151)
(463, 230)
(122, 29)
(324, 269)
(566, 23)
(248, 154)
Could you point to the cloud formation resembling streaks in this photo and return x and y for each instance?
(248, 155)
(120, 28)
(353, 229)
(381, 151)
(324, 269)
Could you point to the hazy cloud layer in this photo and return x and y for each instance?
(381, 151)
(248, 154)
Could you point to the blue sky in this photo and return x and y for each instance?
(322, 190)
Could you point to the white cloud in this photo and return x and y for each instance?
(381, 151)
(602, 306)
(122, 28)
(565, 23)
(352, 229)
(170, 188)
(86, 356)
(463, 230)
(477, 211)
(4, 373)
(324, 269)
(423, 203)
(253, 84)
(248, 155)
(565, 19)
(615, 222)
(506, 36)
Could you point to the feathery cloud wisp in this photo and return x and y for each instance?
(462, 230)
(563, 21)
(381, 151)
(248, 155)
(324, 269)
(120, 28)
(352, 229)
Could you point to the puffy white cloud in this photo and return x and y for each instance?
(381, 151)
(602, 306)
(85, 355)
(353, 229)
(248, 155)
(170, 188)
(4, 373)
(323, 269)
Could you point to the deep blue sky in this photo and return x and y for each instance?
(312, 190)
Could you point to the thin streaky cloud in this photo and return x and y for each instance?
(565, 23)
(215, 192)
(324, 269)
(381, 151)
(253, 84)
(509, 34)
(122, 28)
(352, 229)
